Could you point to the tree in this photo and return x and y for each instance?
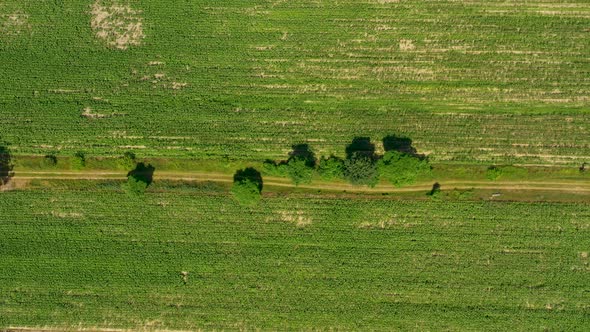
(247, 187)
(299, 170)
(139, 179)
(128, 160)
(401, 168)
(361, 169)
(331, 168)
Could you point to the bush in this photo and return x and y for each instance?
(402, 169)
(271, 168)
(361, 169)
(299, 170)
(331, 168)
(79, 160)
(247, 187)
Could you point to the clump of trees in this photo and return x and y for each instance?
(139, 179)
(79, 160)
(247, 187)
(400, 165)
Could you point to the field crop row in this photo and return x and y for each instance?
(196, 259)
(247, 80)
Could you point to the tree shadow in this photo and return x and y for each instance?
(303, 151)
(6, 165)
(435, 189)
(143, 172)
(401, 144)
(361, 145)
(249, 174)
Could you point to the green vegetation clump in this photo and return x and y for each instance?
(331, 168)
(247, 187)
(361, 169)
(6, 165)
(271, 168)
(299, 170)
(79, 160)
(139, 179)
(128, 160)
(402, 169)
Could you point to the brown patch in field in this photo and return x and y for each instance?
(90, 115)
(178, 85)
(387, 1)
(184, 275)
(117, 24)
(14, 23)
(15, 184)
(295, 217)
(406, 45)
(74, 215)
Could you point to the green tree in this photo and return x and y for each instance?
(299, 170)
(139, 179)
(331, 168)
(361, 169)
(247, 187)
(402, 169)
(128, 160)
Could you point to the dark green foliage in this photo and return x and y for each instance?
(6, 165)
(402, 169)
(361, 169)
(247, 186)
(79, 160)
(331, 168)
(493, 173)
(139, 179)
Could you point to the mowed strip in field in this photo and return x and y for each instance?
(468, 81)
(192, 258)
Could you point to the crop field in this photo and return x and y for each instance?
(247, 79)
(273, 165)
(190, 258)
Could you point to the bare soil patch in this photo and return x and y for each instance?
(117, 24)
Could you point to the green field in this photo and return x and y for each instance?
(83, 258)
(246, 79)
(161, 165)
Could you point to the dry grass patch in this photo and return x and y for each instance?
(117, 24)
(298, 218)
(406, 45)
(14, 23)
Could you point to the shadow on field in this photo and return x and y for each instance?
(401, 144)
(303, 151)
(361, 145)
(143, 173)
(6, 165)
(249, 174)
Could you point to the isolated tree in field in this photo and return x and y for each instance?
(360, 169)
(139, 179)
(331, 168)
(247, 186)
(6, 165)
(401, 168)
(49, 160)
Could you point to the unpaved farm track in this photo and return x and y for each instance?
(559, 186)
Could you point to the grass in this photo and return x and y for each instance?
(88, 257)
(261, 76)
